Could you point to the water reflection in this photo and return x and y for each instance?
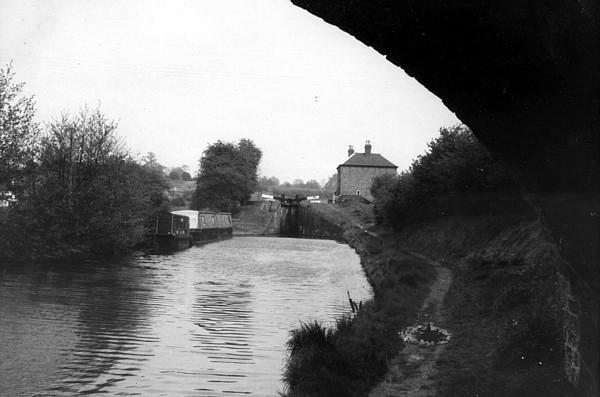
(211, 320)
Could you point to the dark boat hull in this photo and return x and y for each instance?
(212, 234)
(173, 243)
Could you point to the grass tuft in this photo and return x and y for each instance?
(352, 356)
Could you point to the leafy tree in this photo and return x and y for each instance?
(18, 131)
(251, 156)
(228, 175)
(177, 202)
(150, 160)
(85, 194)
(175, 174)
(312, 184)
(92, 196)
(179, 174)
(456, 175)
(268, 183)
(186, 176)
(331, 184)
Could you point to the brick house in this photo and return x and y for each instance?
(355, 175)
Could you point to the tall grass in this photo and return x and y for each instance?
(350, 357)
(336, 361)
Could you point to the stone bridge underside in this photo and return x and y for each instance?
(525, 76)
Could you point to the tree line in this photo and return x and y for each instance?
(456, 176)
(272, 183)
(79, 190)
(81, 193)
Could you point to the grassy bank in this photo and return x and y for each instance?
(350, 358)
(509, 309)
(507, 323)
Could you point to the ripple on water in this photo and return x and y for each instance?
(211, 320)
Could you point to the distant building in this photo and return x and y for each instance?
(355, 175)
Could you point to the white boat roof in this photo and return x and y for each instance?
(193, 215)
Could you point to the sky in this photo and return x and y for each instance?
(179, 75)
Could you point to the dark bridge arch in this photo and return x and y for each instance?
(525, 76)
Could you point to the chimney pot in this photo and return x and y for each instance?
(350, 150)
(368, 147)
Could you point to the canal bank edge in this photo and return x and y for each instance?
(350, 358)
(511, 309)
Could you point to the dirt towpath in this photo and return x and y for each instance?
(411, 371)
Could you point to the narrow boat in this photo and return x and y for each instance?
(208, 226)
(173, 231)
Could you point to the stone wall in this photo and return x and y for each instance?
(301, 221)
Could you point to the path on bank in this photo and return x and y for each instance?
(411, 372)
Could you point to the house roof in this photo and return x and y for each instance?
(368, 160)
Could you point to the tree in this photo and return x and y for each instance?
(18, 132)
(186, 176)
(228, 175)
(331, 184)
(92, 196)
(312, 184)
(179, 174)
(268, 183)
(457, 174)
(150, 160)
(175, 175)
(251, 156)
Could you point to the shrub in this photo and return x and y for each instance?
(88, 197)
(457, 175)
(177, 202)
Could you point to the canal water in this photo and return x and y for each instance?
(209, 321)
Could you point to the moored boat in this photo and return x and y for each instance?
(173, 231)
(208, 226)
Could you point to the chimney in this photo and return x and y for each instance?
(350, 150)
(368, 147)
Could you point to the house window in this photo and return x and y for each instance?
(358, 192)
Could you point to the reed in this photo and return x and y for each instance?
(353, 355)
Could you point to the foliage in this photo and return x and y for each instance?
(177, 202)
(299, 187)
(150, 161)
(267, 184)
(456, 175)
(228, 175)
(179, 174)
(509, 326)
(18, 132)
(349, 358)
(99, 198)
(331, 184)
(88, 196)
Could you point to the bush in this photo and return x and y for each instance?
(88, 196)
(457, 175)
(177, 202)
(351, 357)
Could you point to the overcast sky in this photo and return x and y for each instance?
(179, 75)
